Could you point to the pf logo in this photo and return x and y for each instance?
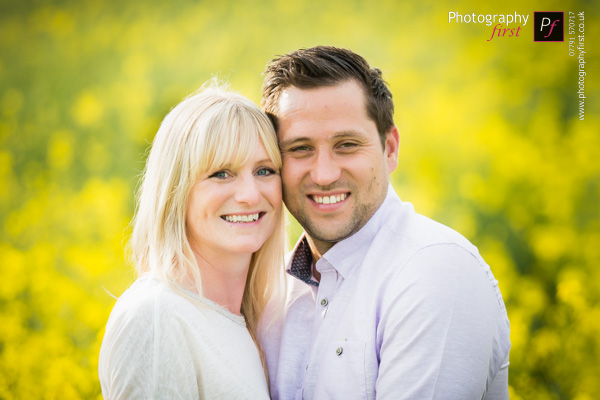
(549, 26)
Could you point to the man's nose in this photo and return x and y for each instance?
(325, 169)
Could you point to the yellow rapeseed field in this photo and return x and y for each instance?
(492, 145)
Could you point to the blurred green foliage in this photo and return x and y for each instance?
(491, 145)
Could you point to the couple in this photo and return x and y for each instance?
(380, 301)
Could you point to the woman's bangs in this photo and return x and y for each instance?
(233, 145)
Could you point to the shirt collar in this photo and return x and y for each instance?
(345, 255)
(301, 262)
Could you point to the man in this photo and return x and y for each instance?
(384, 302)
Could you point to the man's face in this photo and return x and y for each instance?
(335, 171)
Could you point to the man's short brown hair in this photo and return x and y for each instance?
(328, 66)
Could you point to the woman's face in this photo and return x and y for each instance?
(234, 211)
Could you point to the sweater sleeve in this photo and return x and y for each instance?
(145, 353)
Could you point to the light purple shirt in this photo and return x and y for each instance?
(406, 309)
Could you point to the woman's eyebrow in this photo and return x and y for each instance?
(264, 161)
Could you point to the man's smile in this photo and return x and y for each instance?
(329, 199)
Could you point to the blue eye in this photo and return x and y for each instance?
(265, 172)
(219, 175)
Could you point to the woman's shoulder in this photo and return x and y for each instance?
(141, 295)
(147, 299)
(146, 327)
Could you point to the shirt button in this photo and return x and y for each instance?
(324, 302)
(339, 351)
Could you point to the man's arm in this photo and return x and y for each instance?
(439, 328)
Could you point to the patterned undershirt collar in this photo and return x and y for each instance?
(301, 266)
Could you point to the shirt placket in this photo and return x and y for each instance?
(324, 295)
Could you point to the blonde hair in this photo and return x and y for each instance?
(207, 131)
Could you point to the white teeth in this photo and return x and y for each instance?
(329, 199)
(242, 218)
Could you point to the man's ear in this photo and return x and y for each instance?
(392, 143)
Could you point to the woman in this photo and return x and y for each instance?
(207, 243)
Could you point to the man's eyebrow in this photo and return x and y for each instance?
(348, 133)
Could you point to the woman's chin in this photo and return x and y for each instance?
(245, 248)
